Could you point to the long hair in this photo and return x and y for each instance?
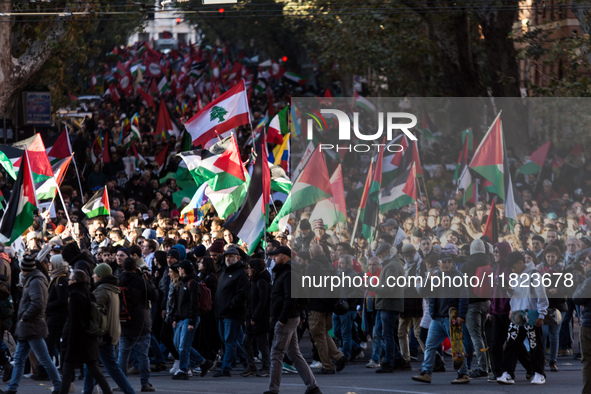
(210, 268)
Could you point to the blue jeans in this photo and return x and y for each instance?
(344, 325)
(38, 346)
(378, 342)
(141, 346)
(231, 334)
(156, 351)
(438, 331)
(389, 329)
(109, 360)
(183, 339)
(552, 332)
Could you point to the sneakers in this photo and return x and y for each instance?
(315, 390)
(289, 368)
(423, 377)
(180, 375)
(538, 379)
(189, 372)
(222, 374)
(372, 364)
(316, 364)
(248, 372)
(175, 367)
(262, 373)
(505, 378)
(553, 367)
(341, 363)
(385, 368)
(133, 371)
(206, 366)
(461, 379)
(325, 371)
(148, 388)
(477, 373)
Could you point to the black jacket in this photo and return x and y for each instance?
(283, 307)
(57, 302)
(188, 301)
(80, 347)
(232, 293)
(319, 301)
(139, 292)
(582, 297)
(469, 268)
(258, 302)
(31, 310)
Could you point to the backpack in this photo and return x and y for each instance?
(98, 326)
(124, 316)
(484, 274)
(205, 301)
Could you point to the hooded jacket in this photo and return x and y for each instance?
(139, 293)
(526, 296)
(107, 294)
(390, 298)
(469, 268)
(283, 306)
(232, 293)
(31, 310)
(188, 300)
(80, 347)
(259, 303)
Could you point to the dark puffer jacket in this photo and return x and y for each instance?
(57, 302)
(80, 347)
(31, 311)
(469, 268)
(188, 301)
(139, 292)
(258, 302)
(232, 293)
(283, 307)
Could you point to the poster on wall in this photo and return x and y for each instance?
(37, 106)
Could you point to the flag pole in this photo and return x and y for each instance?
(78, 176)
(65, 209)
(358, 214)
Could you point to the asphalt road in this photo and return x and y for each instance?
(355, 378)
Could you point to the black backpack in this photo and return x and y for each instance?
(124, 316)
(98, 326)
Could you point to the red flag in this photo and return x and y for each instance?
(410, 188)
(72, 97)
(160, 158)
(366, 187)
(416, 159)
(491, 228)
(147, 98)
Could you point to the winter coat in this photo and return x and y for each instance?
(319, 296)
(499, 302)
(107, 294)
(258, 303)
(57, 302)
(139, 292)
(413, 302)
(80, 347)
(283, 307)
(31, 311)
(232, 293)
(582, 297)
(527, 297)
(444, 297)
(390, 298)
(469, 268)
(188, 300)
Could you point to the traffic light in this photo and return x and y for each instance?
(178, 21)
(284, 59)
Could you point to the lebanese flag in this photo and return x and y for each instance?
(227, 112)
(536, 160)
(18, 215)
(278, 127)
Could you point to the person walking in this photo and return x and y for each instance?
(80, 347)
(285, 318)
(31, 328)
(106, 294)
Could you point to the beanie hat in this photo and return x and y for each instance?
(174, 253)
(174, 213)
(538, 238)
(217, 246)
(318, 224)
(28, 263)
(103, 270)
(305, 225)
(408, 248)
(477, 246)
(125, 250)
(182, 251)
(187, 266)
(199, 251)
(70, 251)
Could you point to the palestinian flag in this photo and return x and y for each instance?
(220, 166)
(278, 127)
(401, 192)
(536, 160)
(59, 148)
(160, 158)
(392, 162)
(364, 104)
(293, 77)
(98, 205)
(166, 127)
(334, 209)
(369, 212)
(18, 215)
(312, 185)
(163, 85)
(39, 162)
(183, 177)
(48, 189)
(8, 156)
(488, 158)
(138, 158)
(492, 227)
(249, 222)
(429, 128)
(221, 115)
